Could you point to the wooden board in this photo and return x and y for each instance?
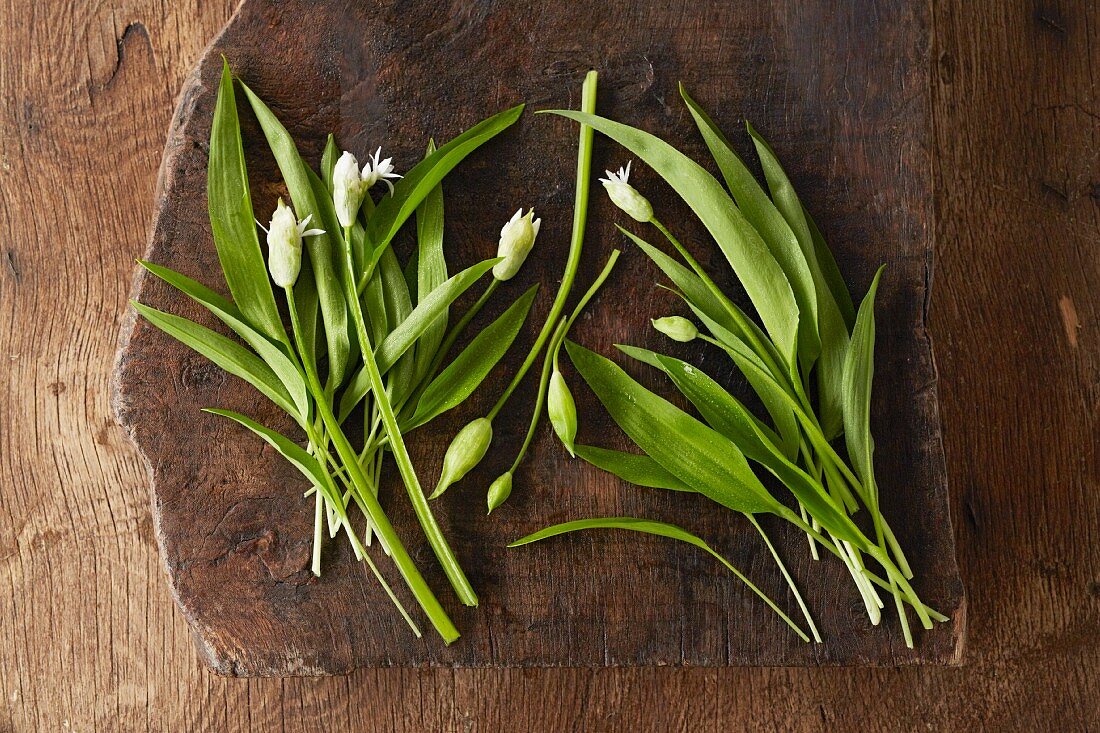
(843, 95)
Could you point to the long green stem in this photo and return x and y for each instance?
(787, 576)
(419, 587)
(431, 528)
(550, 360)
(576, 243)
(763, 596)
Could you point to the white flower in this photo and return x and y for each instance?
(625, 196)
(379, 170)
(350, 184)
(284, 242)
(516, 240)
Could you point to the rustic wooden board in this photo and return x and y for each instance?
(843, 95)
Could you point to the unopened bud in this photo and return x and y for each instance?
(677, 328)
(562, 410)
(465, 451)
(499, 491)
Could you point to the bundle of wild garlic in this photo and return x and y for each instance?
(812, 336)
(366, 334)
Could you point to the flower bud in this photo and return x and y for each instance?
(499, 491)
(348, 189)
(465, 451)
(284, 242)
(562, 410)
(677, 328)
(625, 196)
(516, 240)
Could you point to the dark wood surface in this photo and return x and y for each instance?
(845, 99)
(91, 639)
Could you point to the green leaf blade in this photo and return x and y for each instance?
(469, 369)
(696, 454)
(232, 221)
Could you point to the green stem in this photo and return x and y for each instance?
(551, 357)
(787, 576)
(400, 453)
(420, 590)
(536, 414)
(580, 217)
(763, 596)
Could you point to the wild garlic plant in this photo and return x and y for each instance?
(811, 363)
(367, 335)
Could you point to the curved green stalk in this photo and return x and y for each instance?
(787, 576)
(576, 243)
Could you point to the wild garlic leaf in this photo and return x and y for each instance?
(831, 326)
(660, 529)
(294, 453)
(773, 228)
(404, 336)
(463, 375)
(859, 372)
(728, 416)
(329, 156)
(232, 220)
(696, 454)
(830, 272)
(322, 248)
(639, 470)
(288, 372)
(422, 178)
(223, 351)
(431, 272)
(756, 268)
(715, 304)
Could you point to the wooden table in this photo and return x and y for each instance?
(90, 639)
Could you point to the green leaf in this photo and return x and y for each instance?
(756, 268)
(322, 248)
(831, 273)
(329, 156)
(404, 336)
(298, 456)
(419, 182)
(693, 289)
(223, 351)
(660, 529)
(696, 454)
(859, 372)
(469, 369)
(287, 371)
(768, 390)
(728, 416)
(640, 470)
(766, 219)
(831, 326)
(431, 271)
(232, 221)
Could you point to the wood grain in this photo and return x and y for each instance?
(230, 517)
(91, 640)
